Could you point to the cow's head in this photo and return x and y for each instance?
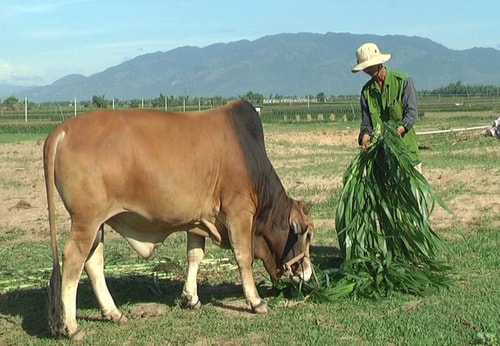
(284, 249)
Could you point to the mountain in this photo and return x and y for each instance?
(284, 64)
(9, 90)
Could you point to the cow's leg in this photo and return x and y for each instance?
(95, 271)
(74, 255)
(241, 242)
(195, 253)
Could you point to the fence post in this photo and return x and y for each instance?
(25, 108)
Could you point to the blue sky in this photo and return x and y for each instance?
(44, 40)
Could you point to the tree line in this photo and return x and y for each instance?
(176, 102)
(460, 88)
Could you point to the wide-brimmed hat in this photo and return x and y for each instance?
(369, 55)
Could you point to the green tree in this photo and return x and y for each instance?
(158, 102)
(135, 103)
(254, 98)
(99, 101)
(10, 102)
(459, 88)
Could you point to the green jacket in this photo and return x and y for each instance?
(396, 103)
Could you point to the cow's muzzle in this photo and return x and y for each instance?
(298, 268)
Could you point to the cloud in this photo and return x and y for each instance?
(20, 74)
(62, 32)
(16, 8)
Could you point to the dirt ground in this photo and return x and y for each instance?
(478, 195)
(23, 212)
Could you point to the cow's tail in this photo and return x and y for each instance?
(55, 311)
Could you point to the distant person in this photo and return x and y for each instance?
(389, 96)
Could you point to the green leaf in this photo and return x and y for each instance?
(383, 222)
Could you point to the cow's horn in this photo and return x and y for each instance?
(296, 227)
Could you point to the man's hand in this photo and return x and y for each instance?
(401, 130)
(365, 141)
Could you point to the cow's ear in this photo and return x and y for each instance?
(306, 208)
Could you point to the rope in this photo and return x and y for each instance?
(452, 130)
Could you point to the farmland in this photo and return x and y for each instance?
(310, 156)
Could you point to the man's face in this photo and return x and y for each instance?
(372, 71)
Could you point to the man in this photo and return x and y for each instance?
(389, 96)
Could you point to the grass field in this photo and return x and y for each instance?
(310, 158)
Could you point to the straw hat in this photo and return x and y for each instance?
(369, 55)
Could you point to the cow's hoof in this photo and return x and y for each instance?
(123, 319)
(79, 335)
(115, 316)
(260, 308)
(187, 302)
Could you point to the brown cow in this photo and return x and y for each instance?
(149, 173)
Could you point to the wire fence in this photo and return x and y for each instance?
(277, 111)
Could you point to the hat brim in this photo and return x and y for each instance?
(380, 59)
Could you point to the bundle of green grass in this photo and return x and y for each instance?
(383, 228)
